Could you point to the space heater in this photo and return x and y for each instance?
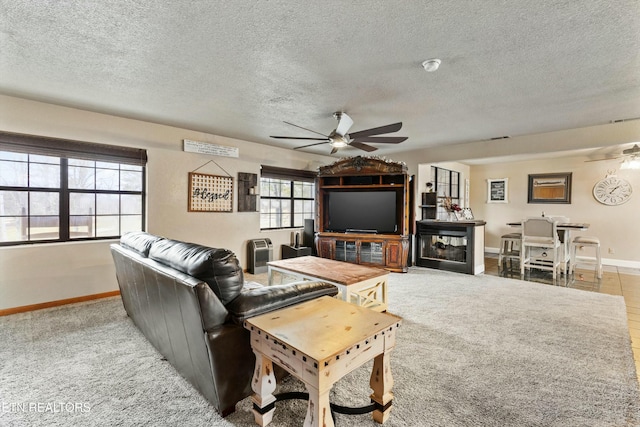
(260, 253)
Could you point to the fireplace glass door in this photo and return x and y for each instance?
(448, 247)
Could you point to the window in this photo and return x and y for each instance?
(286, 197)
(54, 190)
(446, 184)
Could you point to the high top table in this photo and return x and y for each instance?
(319, 342)
(358, 284)
(564, 234)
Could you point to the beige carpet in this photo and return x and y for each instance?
(472, 351)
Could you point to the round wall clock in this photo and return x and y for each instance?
(612, 191)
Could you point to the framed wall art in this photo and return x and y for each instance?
(498, 190)
(210, 193)
(465, 214)
(550, 188)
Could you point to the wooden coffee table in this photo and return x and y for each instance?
(319, 342)
(359, 284)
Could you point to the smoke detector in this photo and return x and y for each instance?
(431, 65)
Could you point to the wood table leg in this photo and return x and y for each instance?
(319, 408)
(381, 383)
(263, 385)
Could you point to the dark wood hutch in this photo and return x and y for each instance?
(361, 174)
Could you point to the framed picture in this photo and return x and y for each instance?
(550, 188)
(210, 193)
(465, 214)
(498, 190)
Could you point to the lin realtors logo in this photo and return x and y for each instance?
(44, 407)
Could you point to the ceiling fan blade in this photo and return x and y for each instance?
(312, 131)
(344, 123)
(600, 160)
(362, 146)
(382, 139)
(377, 131)
(296, 137)
(311, 145)
(633, 150)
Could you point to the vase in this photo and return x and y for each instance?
(452, 216)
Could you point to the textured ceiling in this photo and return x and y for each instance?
(240, 68)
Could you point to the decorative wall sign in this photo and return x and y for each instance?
(210, 193)
(497, 190)
(208, 148)
(550, 188)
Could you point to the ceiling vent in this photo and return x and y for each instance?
(624, 120)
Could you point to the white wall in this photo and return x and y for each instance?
(615, 226)
(33, 274)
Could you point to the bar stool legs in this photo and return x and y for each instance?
(585, 241)
(509, 250)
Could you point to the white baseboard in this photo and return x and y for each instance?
(605, 261)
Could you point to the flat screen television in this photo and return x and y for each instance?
(362, 211)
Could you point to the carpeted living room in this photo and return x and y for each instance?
(285, 213)
(472, 350)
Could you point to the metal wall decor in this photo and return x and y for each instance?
(247, 192)
(210, 193)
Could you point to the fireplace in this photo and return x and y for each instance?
(451, 245)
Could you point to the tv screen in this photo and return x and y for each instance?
(362, 211)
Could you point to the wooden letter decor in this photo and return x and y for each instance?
(210, 193)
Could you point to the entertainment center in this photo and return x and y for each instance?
(363, 212)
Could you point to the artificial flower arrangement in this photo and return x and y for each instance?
(450, 206)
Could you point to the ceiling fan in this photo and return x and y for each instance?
(340, 138)
(631, 158)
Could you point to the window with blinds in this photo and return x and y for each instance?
(287, 197)
(56, 190)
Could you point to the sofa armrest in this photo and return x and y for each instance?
(256, 300)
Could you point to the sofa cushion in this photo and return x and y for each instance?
(139, 241)
(219, 268)
(256, 299)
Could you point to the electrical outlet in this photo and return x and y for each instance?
(612, 251)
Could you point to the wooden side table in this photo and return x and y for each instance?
(319, 342)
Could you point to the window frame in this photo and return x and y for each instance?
(64, 150)
(449, 187)
(293, 176)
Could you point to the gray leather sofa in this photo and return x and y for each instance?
(190, 301)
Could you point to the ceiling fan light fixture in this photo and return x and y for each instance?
(431, 65)
(339, 138)
(338, 143)
(633, 163)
